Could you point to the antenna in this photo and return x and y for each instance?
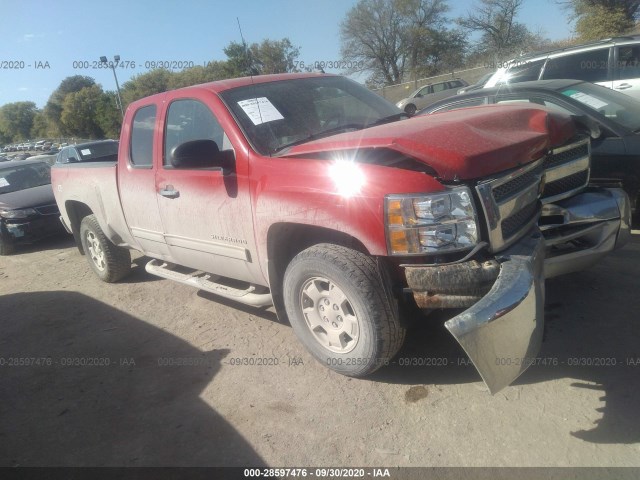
(247, 55)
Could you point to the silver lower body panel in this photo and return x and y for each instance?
(581, 230)
(502, 332)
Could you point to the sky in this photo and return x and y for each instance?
(45, 41)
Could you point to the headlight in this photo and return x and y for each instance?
(435, 223)
(19, 213)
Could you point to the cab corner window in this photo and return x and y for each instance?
(189, 120)
(141, 149)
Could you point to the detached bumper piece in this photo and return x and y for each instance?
(502, 332)
(582, 229)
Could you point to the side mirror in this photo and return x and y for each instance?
(196, 154)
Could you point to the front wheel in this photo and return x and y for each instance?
(109, 262)
(410, 109)
(340, 311)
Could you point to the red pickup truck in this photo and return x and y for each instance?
(312, 194)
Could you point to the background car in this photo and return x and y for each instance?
(476, 86)
(28, 210)
(613, 63)
(429, 94)
(611, 119)
(98, 151)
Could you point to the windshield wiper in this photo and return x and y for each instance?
(341, 128)
(387, 119)
(322, 134)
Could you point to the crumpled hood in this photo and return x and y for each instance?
(31, 197)
(462, 144)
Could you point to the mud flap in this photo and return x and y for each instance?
(502, 332)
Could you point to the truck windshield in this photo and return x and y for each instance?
(277, 115)
(21, 177)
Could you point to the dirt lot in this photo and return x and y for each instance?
(130, 408)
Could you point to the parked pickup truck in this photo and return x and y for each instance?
(312, 194)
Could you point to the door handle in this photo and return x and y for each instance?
(622, 86)
(169, 192)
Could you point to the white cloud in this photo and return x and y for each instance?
(23, 89)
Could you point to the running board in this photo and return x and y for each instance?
(202, 281)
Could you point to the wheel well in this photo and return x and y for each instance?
(286, 240)
(77, 211)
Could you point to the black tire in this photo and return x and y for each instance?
(410, 109)
(6, 248)
(378, 335)
(109, 262)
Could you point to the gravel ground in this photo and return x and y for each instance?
(89, 377)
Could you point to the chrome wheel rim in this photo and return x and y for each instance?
(95, 251)
(329, 315)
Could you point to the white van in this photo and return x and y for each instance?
(612, 62)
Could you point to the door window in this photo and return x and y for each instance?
(629, 62)
(591, 66)
(189, 120)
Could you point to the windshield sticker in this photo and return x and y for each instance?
(587, 99)
(3, 182)
(260, 110)
(85, 151)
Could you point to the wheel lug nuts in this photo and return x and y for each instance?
(335, 325)
(339, 318)
(325, 319)
(321, 308)
(326, 301)
(335, 306)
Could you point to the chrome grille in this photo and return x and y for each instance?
(567, 170)
(510, 204)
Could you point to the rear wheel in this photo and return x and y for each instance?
(6, 248)
(110, 262)
(340, 311)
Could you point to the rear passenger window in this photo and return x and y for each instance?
(629, 62)
(591, 66)
(141, 149)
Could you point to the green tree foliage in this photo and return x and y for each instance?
(16, 120)
(270, 56)
(53, 108)
(394, 40)
(40, 128)
(145, 84)
(595, 22)
(79, 112)
(108, 115)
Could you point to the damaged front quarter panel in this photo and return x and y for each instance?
(502, 332)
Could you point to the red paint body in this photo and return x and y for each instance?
(240, 208)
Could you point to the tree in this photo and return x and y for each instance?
(145, 84)
(214, 70)
(40, 127)
(108, 115)
(16, 120)
(270, 56)
(53, 108)
(393, 40)
(79, 113)
(502, 36)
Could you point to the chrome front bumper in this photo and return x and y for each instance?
(502, 333)
(582, 229)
